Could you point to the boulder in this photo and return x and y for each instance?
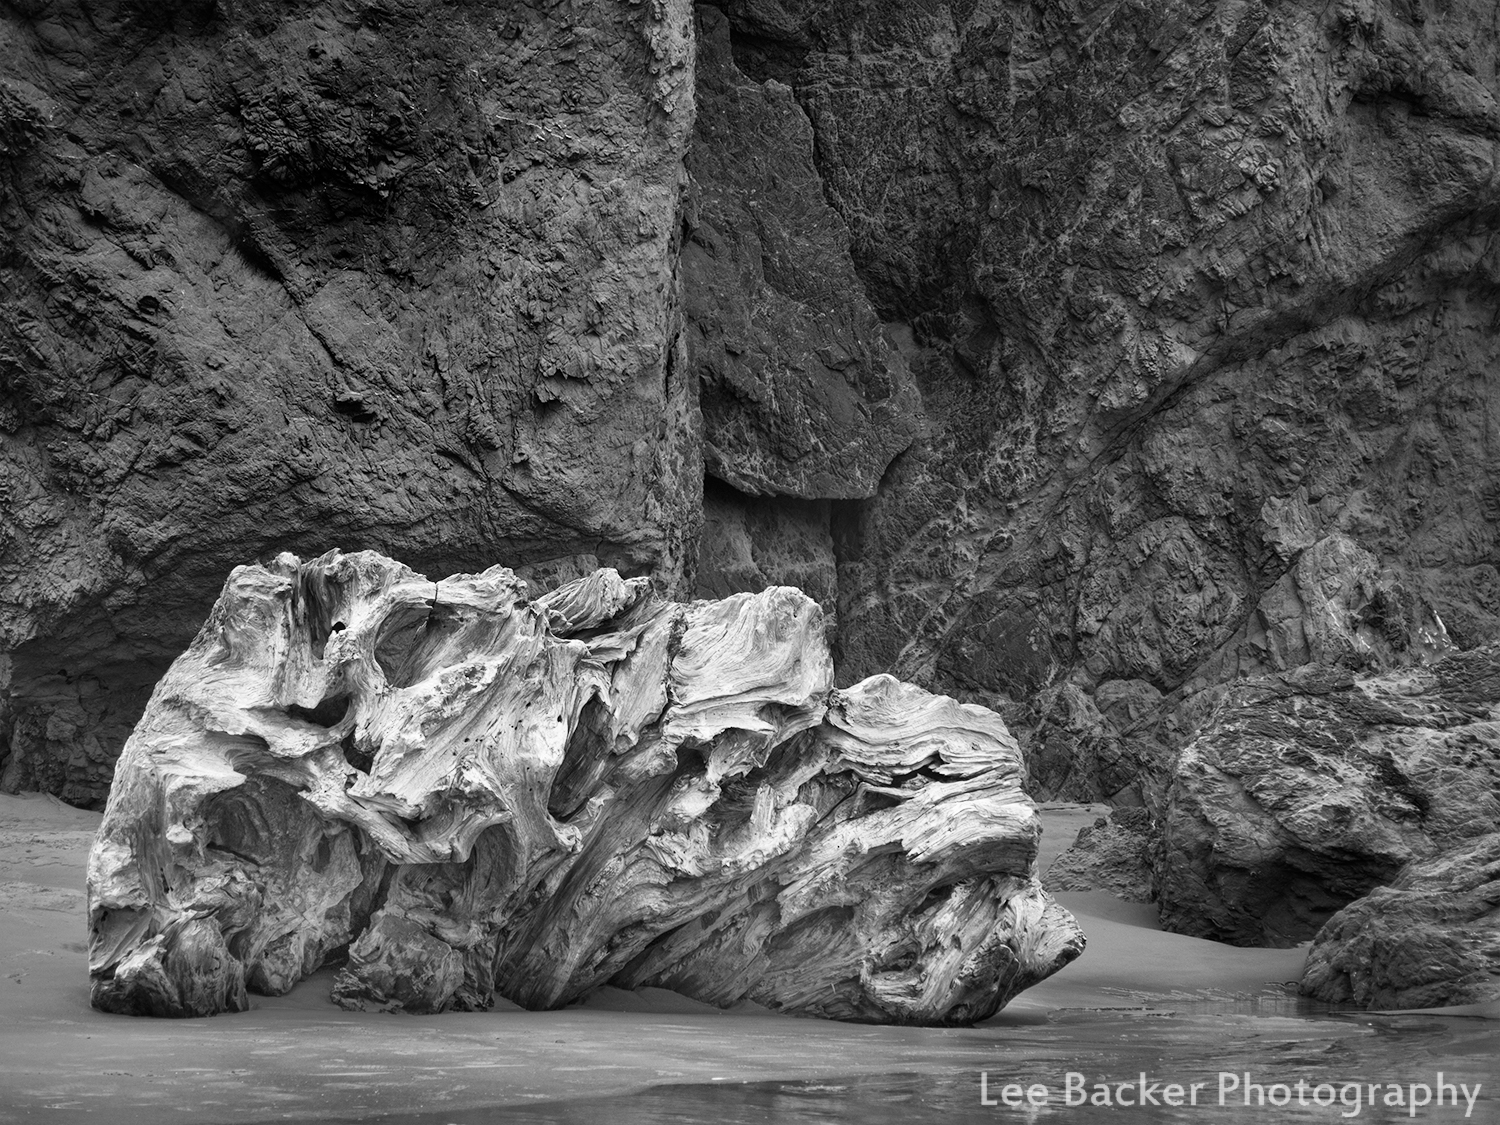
(1430, 939)
(456, 789)
(1113, 854)
(1306, 791)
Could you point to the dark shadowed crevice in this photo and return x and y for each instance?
(328, 712)
(764, 58)
(408, 640)
(751, 542)
(585, 761)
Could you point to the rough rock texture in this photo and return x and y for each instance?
(1430, 939)
(463, 790)
(1113, 854)
(383, 274)
(802, 395)
(750, 543)
(1199, 296)
(1112, 745)
(1306, 791)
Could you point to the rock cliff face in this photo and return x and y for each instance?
(1198, 298)
(1087, 360)
(283, 276)
(458, 791)
(802, 394)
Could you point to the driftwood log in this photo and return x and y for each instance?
(454, 790)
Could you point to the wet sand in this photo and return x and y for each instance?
(300, 1057)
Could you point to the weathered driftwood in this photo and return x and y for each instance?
(457, 790)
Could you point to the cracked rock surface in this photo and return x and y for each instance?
(1305, 792)
(1429, 939)
(282, 276)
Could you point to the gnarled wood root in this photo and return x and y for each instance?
(459, 790)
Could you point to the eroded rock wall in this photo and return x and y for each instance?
(1198, 298)
(1087, 359)
(803, 396)
(382, 274)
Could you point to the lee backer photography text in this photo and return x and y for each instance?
(1349, 1098)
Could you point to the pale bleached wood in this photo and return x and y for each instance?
(461, 790)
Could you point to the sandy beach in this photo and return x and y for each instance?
(298, 1057)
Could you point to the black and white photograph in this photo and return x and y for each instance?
(749, 562)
